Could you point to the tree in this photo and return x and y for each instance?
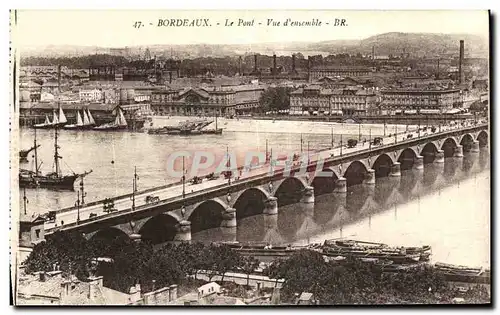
(275, 98)
(70, 251)
(225, 259)
(249, 265)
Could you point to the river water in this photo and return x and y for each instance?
(446, 205)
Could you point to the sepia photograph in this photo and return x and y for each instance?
(250, 158)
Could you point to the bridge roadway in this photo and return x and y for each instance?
(123, 204)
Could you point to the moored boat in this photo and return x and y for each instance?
(79, 122)
(52, 180)
(120, 123)
(58, 121)
(376, 250)
(457, 273)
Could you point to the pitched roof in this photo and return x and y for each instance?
(79, 294)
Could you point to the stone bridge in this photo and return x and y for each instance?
(222, 206)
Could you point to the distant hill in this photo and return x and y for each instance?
(416, 44)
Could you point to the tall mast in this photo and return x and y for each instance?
(183, 180)
(56, 153)
(36, 156)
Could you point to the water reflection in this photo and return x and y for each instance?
(435, 206)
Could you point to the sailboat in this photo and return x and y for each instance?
(53, 180)
(56, 121)
(45, 125)
(91, 119)
(79, 122)
(216, 131)
(118, 124)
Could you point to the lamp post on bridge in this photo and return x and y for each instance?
(183, 179)
(370, 143)
(359, 132)
(340, 144)
(25, 200)
(134, 187)
(308, 152)
(267, 154)
(229, 166)
(419, 126)
(332, 138)
(82, 190)
(77, 204)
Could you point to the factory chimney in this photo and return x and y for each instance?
(460, 63)
(437, 74)
(274, 63)
(293, 62)
(239, 66)
(373, 53)
(309, 68)
(255, 63)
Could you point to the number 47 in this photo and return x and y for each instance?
(138, 24)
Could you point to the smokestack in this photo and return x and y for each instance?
(373, 52)
(293, 62)
(309, 68)
(239, 65)
(460, 63)
(255, 63)
(437, 74)
(274, 64)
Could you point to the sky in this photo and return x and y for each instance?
(115, 28)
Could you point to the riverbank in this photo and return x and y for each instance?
(283, 126)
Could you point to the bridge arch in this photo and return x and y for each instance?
(448, 146)
(429, 152)
(355, 173)
(290, 190)
(407, 158)
(250, 202)
(466, 141)
(110, 239)
(159, 229)
(325, 184)
(382, 165)
(482, 137)
(207, 215)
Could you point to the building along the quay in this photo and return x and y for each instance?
(315, 99)
(207, 101)
(424, 101)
